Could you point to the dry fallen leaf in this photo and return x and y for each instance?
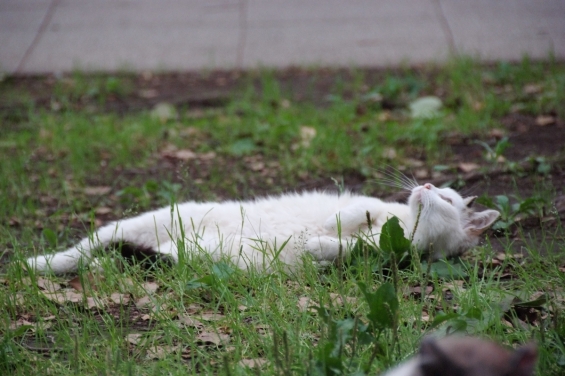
(543, 120)
(257, 166)
(307, 134)
(94, 303)
(144, 302)
(150, 287)
(90, 280)
(213, 338)
(531, 89)
(306, 304)
(164, 112)
(64, 296)
(263, 330)
(207, 156)
(161, 352)
(21, 322)
(338, 299)
(468, 167)
(134, 338)
(103, 210)
(190, 322)
(121, 299)
(148, 93)
(48, 285)
(210, 316)
(421, 173)
(184, 155)
(389, 153)
(97, 191)
(253, 363)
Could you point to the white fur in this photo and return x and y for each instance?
(250, 233)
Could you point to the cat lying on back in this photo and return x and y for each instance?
(251, 232)
(467, 356)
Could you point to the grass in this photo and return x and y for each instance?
(68, 164)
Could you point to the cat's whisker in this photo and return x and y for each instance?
(392, 183)
(397, 173)
(399, 178)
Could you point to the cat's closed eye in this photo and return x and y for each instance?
(447, 199)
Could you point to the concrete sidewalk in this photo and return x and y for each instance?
(38, 36)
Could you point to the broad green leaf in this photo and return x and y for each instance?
(392, 238)
(222, 271)
(446, 270)
(383, 305)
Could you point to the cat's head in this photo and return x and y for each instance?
(446, 223)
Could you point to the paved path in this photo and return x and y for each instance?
(108, 35)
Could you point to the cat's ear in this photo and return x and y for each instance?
(480, 221)
(434, 361)
(469, 201)
(523, 360)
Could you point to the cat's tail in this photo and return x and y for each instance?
(69, 261)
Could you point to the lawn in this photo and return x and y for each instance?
(78, 150)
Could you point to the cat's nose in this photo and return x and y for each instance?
(428, 186)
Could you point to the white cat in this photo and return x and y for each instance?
(253, 233)
(467, 356)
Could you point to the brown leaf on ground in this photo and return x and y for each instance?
(454, 285)
(421, 173)
(543, 120)
(532, 89)
(64, 296)
(150, 287)
(97, 191)
(338, 299)
(306, 304)
(211, 316)
(90, 280)
(144, 302)
(47, 285)
(20, 299)
(13, 222)
(161, 352)
(468, 167)
(120, 299)
(418, 290)
(425, 316)
(207, 156)
(389, 153)
(193, 308)
(190, 322)
(20, 322)
(103, 210)
(148, 93)
(263, 330)
(307, 134)
(253, 363)
(213, 338)
(134, 338)
(92, 303)
(184, 155)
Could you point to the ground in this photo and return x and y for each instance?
(81, 150)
